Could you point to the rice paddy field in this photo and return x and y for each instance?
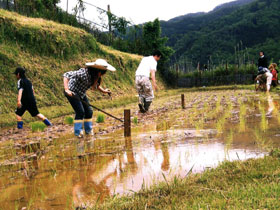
(54, 170)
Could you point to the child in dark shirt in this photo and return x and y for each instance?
(26, 99)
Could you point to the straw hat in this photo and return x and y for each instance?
(101, 64)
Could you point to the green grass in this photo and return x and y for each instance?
(37, 126)
(135, 120)
(100, 118)
(69, 120)
(253, 184)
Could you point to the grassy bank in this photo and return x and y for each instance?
(47, 50)
(253, 184)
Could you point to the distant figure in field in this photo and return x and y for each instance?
(205, 68)
(76, 83)
(26, 99)
(263, 72)
(262, 61)
(265, 79)
(147, 67)
(272, 68)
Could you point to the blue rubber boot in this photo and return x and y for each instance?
(47, 122)
(20, 124)
(88, 126)
(78, 128)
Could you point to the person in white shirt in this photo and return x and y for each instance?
(147, 67)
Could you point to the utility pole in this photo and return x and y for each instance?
(110, 23)
(8, 5)
(109, 18)
(67, 7)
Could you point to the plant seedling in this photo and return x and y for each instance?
(69, 120)
(100, 118)
(38, 126)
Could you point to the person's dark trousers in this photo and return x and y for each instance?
(147, 105)
(82, 111)
(274, 83)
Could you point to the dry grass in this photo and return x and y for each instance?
(39, 23)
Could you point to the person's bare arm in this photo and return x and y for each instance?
(19, 98)
(101, 89)
(66, 88)
(153, 76)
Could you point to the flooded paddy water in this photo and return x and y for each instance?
(66, 172)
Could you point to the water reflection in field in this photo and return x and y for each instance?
(69, 172)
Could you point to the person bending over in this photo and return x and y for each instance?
(76, 83)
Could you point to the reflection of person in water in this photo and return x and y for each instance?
(271, 106)
(95, 181)
(158, 144)
(31, 167)
(91, 183)
(165, 163)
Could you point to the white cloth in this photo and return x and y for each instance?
(268, 80)
(146, 65)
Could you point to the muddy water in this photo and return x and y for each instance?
(67, 172)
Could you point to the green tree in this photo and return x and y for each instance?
(152, 40)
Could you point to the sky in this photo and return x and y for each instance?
(142, 11)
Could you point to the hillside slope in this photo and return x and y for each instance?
(214, 37)
(47, 50)
(176, 27)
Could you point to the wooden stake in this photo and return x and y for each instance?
(183, 101)
(127, 126)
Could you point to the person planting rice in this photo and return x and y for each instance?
(147, 66)
(264, 79)
(264, 76)
(26, 99)
(76, 83)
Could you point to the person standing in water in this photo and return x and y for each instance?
(147, 67)
(76, 83)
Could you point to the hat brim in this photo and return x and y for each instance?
(101, 67)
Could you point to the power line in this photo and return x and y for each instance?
(95, 6)
(105, 11)
(92, 22)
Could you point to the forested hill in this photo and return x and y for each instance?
(193, 21)
(244, 26)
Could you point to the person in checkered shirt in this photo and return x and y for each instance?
(76, 83)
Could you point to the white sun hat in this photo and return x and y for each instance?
(101, 64)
